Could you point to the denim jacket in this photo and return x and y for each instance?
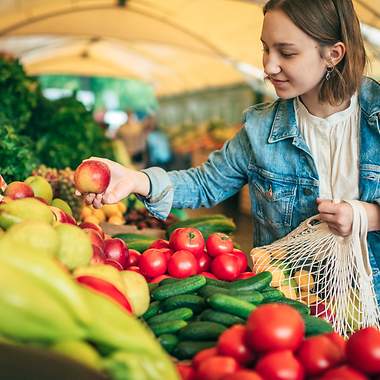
(270, 154)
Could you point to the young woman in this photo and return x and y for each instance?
(318, 143)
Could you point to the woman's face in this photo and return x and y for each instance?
(291, 58)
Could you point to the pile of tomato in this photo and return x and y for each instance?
(272, 346)
(187, 254)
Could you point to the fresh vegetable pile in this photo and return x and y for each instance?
(272, 346)
(189, 315)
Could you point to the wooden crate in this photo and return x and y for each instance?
(245, 201)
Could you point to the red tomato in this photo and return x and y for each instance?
(343, 373)
(215, 367)
(203, 355)
(209, 275)
(338, 340)
(275, 327)
(226, 267)
(160, 243)
(280, 365)
(318, 354)
(244, 374)
(363, 350)
(185, 371)
(218, 243)
(242, 259)
(153, 263)
(133, 258)
(189, 239)
(182, 264)
(167, 252)
(160, 278)
(204, 262)
(232, 342)
(244, 275)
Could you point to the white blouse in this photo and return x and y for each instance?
(334, 145)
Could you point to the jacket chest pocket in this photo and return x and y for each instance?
(272, 198)
(370, 182)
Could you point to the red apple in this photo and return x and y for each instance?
(97, 256)
(95, 237)
(94, 227)
(135, 269)
(160, 243)
(92, 176)
(61, 216)
(115, 249)
(18, 190)
(133, 258)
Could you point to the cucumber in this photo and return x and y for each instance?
(202, 330)
(316, 326)
(209, 290)
(226, 226)
(225, 319)
(231, 305)
(169, 281)
(272, 295)
(191, 221)
(215, 282)
(185, 286)
(299, 306)
(249, 296)
(191, 301)
(153, 309)
(182, 313)
(127, 237)
(188, 349)
(152, 286)
(167, 327)
(139, 245)
(258, 282)
(168, 342)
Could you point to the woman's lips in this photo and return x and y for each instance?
(277, 82)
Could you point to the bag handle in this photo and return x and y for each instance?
(360, 231)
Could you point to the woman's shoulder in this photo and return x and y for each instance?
(260, 110)
(370, 95)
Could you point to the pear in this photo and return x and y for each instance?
(41, 187)
(74, 246)
(79, 351)
(19, 210)
(63, 205)
(37, 235)
(137, 291)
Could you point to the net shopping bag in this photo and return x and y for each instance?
(329, 273)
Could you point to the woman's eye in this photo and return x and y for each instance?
(287, 55)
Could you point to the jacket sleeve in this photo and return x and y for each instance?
(221, 176)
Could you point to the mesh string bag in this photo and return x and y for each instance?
(329, 273)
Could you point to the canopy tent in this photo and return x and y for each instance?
(176, 45)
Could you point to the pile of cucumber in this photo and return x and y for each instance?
(188, 315)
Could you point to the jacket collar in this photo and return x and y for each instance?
(369, 99)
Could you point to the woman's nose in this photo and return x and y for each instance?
(271, 65)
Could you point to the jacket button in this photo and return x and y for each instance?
(307, 191)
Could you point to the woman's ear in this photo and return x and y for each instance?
(335, 53)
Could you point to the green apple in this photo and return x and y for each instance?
(37, 235)
(105, 272)
(63, 205)
(74, 246)
(79, 351)
(41, 187)
(137, 291)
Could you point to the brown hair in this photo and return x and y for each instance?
(329, 22)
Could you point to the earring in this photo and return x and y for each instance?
(329, 71)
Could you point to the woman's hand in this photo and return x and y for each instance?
(338, 216)
(123, 182)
